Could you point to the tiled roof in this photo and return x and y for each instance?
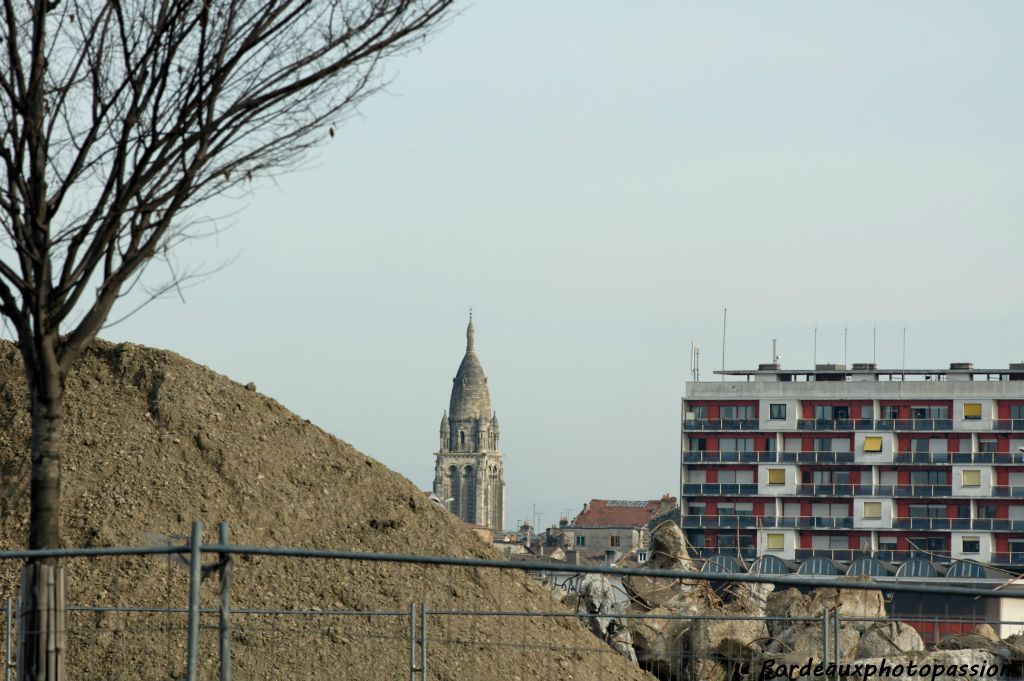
(615, 513)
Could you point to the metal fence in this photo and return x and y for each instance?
(274, 613)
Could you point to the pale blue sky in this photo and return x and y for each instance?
(598, 180)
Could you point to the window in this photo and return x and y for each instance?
(777, 412)
(928, 544)
(775, 541)
(971, 478)
(745, 508)
(698, 444)
(581, 540)
(927, 510)
(919, 445)
(928, 477)
(887, 543)
(971, 544)
(777, 476)
(699, 411)
(696, 509)
(613, 540)
(972, 411)
(727, 477)
(873, 443)
(988, 446)
(867, 411)
(732, 411)
(736, 444)
(986, 511)
(726, 509)
(938, 445)
(823, 412)
(841, 413)
(830, 542)
(872, 510)
(890, 411)
(1017, 412)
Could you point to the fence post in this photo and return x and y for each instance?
(412, 642)
(8, 640)
(824, 636)
(194, 579)
(423, 641)
(223, 538)
(836, 640)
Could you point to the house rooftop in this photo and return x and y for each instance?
(622, 513)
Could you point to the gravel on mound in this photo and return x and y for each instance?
(153, 441)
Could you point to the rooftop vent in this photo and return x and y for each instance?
(961, 366)
(865, 366)
(768, 367)
(830, 367)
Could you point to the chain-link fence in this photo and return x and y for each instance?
(223, 611)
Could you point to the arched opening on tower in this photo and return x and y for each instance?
(462, 438)
(454, 490)
(469, 485)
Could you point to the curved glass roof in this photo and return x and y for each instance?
(866, 565)
(966, 569)
(769, 565)
(817, 566)
(723, 563)
(917, 567)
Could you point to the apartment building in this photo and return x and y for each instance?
(912, 468)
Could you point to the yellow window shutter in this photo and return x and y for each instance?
(873, 443)
(972, 410)
(972, 478)
(776, 542)
(777, 476)
(872, 510)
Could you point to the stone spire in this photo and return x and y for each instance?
(470, 396)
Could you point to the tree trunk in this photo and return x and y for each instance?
(41, 615)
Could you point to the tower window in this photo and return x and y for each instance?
(462, 438)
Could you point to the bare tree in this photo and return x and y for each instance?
(119, 117)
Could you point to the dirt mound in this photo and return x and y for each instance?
(153, 441)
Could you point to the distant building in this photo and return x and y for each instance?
(469, 477)
(615, 525)
(853, 470)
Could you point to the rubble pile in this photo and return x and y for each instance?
(684, 629)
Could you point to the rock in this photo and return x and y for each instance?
(968, 641)
(662, 645)
(598, 597)
(668, 552)
(734, 637)
(251, 387)
(849, 602)
(791, 604)
(752, 596)
(706, 669)
(889, 639)
(988, 632)
(668, 548)
(799, 643)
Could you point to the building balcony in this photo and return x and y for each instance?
(888, 556)
(721, 424)
(746, 553)
(1014, 558)
(750, 522)
(720, 489)
(910, 458)
(1008, 424)
(969, 524)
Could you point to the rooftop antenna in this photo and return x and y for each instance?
(695, 361)
(846, 332)
(815, 344)
(724, 313)
(903, 376)
(874, 345)
(775, 354)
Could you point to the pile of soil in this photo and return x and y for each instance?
(153, 441)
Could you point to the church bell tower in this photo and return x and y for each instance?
(468, 468)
